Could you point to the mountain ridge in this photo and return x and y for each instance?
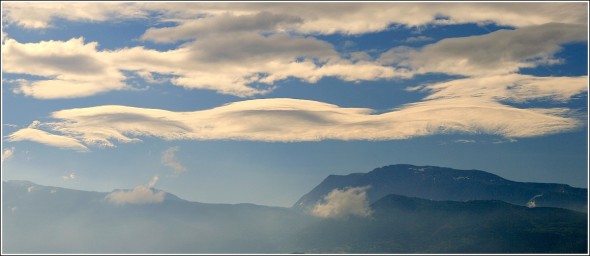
(442, 183)
(55, 220)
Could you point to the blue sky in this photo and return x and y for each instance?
(258, 102)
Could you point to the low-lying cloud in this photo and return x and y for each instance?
(344, 203)
(138, 195)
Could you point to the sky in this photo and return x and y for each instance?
(259, 102)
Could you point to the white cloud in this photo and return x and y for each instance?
(229, 35)
(326, 18)
(74, 68)
(69, 68)
(225, 23)
(70, 176)
(290, 120)
(153, 181)
(464, 141)
(39, 15)
(415, 39)
(499, 52)
(510, 87)
(344, 203)
(531, 203)
(217, 63)
(7, 153)
(43, 137)
(169, 159)
(138, 195)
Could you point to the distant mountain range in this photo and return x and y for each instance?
(42, 219)
(438, 183)
(410, 212)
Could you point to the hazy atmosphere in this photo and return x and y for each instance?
(258, 103)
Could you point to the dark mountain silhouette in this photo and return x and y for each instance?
(438, 183)
(402, 224)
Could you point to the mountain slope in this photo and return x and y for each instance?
(402, 224)
(41, 219)
(439, 183)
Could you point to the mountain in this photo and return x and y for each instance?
(401, 224)
(438, 183)
(43, 219)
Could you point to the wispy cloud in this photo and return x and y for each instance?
(511, 87)
(415, 39)
(342, 203)
(138, 195)
(169, 159)
(499, 52)
(464, 141)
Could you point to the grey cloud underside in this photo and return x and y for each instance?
(499, 52)
(350, 18)
(227, 53)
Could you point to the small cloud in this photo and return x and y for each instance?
(344, 203)
(464, 141)
(416, 39)
(169, 159)
(531, 203)
(153, 181)
(70, 176)
(149, 77)
(501, 141)
(7, 153)
(139, 195)
(34, 124)
(348, 44)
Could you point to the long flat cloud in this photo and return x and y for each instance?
(292, 120)
(326, 18)
(43, 137)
